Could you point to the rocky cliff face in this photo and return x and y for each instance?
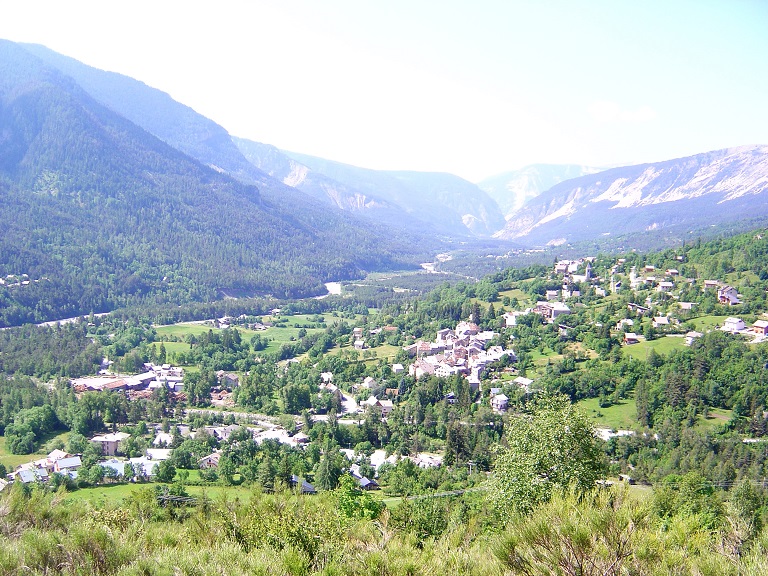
(511, 190)
(710, 188)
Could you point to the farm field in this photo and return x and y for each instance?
(663, 345)
(276, 335)
(619, 416)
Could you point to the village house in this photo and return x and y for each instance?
(561, 267)
(728, 295)
(110, 443)
(464, 329)
(733, 325)
(27, 476)
(551, 310)
(631, 338)
(637, 308)
(443, 335)
(691, 336)
(162, 439)
(385, 406)
(63, 465)
(158, 454)
(424, 460)
(499, 403)
(420, 368)
(510, 318)
(302, 485)
(444, 370)
(523, 382)
(567, 293)
(210, 461)
(760, 327)
(552, 295)
(300, 439)
(660, 322)
(711, 284)
(411, 349)
(665, 286)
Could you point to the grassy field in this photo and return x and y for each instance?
(515, 293)
(621, 416)
(736, 278)
(13, 460)
(705, 323)
(717, 417)
(277, 336)
(174, 347)
(116, 492)
(663, 345)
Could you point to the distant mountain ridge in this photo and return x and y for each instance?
(511, 190)
(382, 199)
(439, 200)
(709, 188)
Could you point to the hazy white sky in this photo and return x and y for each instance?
(473, 88)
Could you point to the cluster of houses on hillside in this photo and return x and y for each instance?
(458, 351)
(41, 470)
(145, 467)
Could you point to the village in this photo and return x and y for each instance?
(466, 351)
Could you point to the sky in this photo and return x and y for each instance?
(471, 88)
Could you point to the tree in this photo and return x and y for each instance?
(227, 470)
(166, 471)
(550, 447)
(328, 473)
(354, 502)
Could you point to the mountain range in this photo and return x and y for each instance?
(114, 194)
(442, 203)
(687, 193)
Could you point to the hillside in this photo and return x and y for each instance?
(719, 187)
(511, 190)
(279, 166)
(443, 201)
(273, 171)
(100, 214)
(157, 113)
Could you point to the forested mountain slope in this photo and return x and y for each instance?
(159, 114)
(274, 172)
(101, 214)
